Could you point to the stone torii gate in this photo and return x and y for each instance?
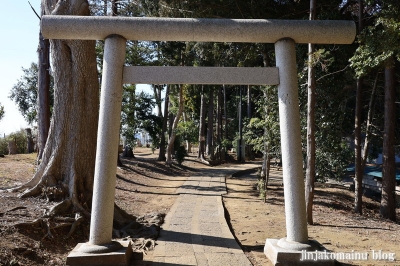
(116, 30)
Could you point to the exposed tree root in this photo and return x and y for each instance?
(13, 209)
(60, 208)
(204, 161)
(125, 225)
(78, 220)
(46, 224)
(143, 245)
(37, 223)
(142, 232)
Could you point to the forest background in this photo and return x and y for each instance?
(353, 116)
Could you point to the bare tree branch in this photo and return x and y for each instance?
(34, 11)
(333, 73)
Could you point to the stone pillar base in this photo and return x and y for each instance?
(82, 254)
(291, 257)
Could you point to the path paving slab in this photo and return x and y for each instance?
(195, 231)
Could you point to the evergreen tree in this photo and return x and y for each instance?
(25, 93)
(371, 54)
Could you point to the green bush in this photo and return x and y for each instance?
(3, 146)
(20, 139)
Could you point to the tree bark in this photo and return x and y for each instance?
(69, 155)
(174, 126)
(359, 172)
(43, 91)
(310, 171)
(161, 155)
(388, 200)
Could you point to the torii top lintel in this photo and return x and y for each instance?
(198, 29)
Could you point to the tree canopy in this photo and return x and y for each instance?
(25, 93)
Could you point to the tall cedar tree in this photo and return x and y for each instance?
(67, 165)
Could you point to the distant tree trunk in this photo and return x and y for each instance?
(174, 126)
(210, 126)
(188, 144)
(30, 145)
(240, 152)
(202, 138)
(105, 7)
(157, 96)
(265, 165)
(114, 8)
(369, 123)
(170, 117)
(225, 113)
(249, 101)
(310, 172)
(358, 191)
(69, 155)
(266, 156)
(161, 155)
(43, 91)
(219, 116)
(219, 123)
(388, 200)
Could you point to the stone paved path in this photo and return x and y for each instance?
(195, 231)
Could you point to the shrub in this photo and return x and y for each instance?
(20, 139)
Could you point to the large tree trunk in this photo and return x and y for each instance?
(43, 91)
(161, 155)
(174, 126)
(69, 155)
(310, 171)
(358, 191)
(202, 138)
(388, 200)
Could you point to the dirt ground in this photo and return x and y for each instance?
(145, 186)
(336, 227)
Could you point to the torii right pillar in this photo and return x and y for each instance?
(288, 251)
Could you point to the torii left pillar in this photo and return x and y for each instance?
(101, 250)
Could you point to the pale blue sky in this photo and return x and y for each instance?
(19, 33)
